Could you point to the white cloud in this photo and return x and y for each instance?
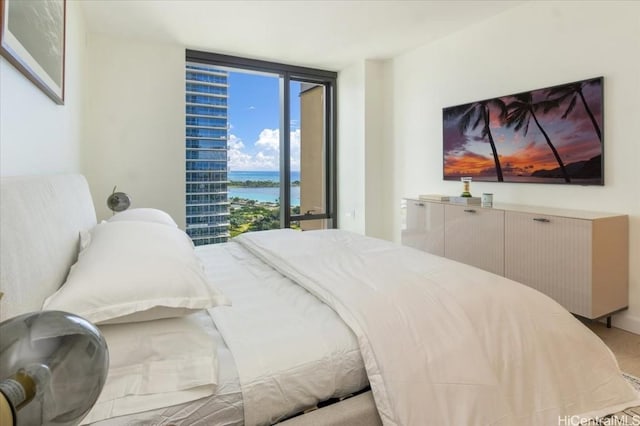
(295, 150)
(263, 161)
(238, 160)
(269, 139)
(235, 143)
(267, 155)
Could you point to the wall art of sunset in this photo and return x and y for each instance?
(550, 135)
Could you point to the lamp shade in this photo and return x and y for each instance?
(53, 366)
(118, 201)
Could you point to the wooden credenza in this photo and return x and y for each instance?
(578, 258)
(424, 228)
(475, 236)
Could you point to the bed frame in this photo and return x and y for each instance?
(40, 222)
(41, 218)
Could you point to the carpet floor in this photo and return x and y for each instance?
(626, 347)
(628, 417)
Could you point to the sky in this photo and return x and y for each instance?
(254, 121)
(574, 137)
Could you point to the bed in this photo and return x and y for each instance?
(316, 327)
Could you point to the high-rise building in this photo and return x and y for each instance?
(207, 204)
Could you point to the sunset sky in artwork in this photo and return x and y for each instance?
(469, 154)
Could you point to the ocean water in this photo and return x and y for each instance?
(273, 176)
(264, 195)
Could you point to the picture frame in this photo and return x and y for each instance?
(549, 135)
(32, 38)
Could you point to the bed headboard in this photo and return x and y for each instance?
(40, 221)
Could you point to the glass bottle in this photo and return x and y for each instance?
(466, 183)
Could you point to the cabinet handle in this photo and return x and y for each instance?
(541, 219)
(419, 204)
(470, 210)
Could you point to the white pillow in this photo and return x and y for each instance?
(85, 239)
(135, 271)
(156, 364)
(144, 215)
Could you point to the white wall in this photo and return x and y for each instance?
(351, 149)
(536, 45)
(378, 151)
(135, 124)
(37, 136)
(364, 149)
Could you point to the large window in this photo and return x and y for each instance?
(260, 147)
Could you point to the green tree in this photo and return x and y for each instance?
(522, 110)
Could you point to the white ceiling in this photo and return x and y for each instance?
(329, 34)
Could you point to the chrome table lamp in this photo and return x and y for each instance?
(118, 201)
(53, 366)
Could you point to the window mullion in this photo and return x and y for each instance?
(285, 150)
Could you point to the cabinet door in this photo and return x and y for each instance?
(475, 236)
(424, 228)
(553, 255)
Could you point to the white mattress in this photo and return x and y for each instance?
(280, 350)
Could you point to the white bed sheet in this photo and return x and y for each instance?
(280, 350)
(224, 408)
(153, 364)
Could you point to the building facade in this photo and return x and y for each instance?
(207, 205)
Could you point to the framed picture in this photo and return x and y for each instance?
(32, 34)
(549, 135)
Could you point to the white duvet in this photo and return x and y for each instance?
(291, 350)
(446, 343)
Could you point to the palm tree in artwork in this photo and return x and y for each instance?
(572, 92)
(522, 110)
(476, 113)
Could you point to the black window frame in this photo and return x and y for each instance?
(288, 73)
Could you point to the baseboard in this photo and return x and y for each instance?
(626, 321)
